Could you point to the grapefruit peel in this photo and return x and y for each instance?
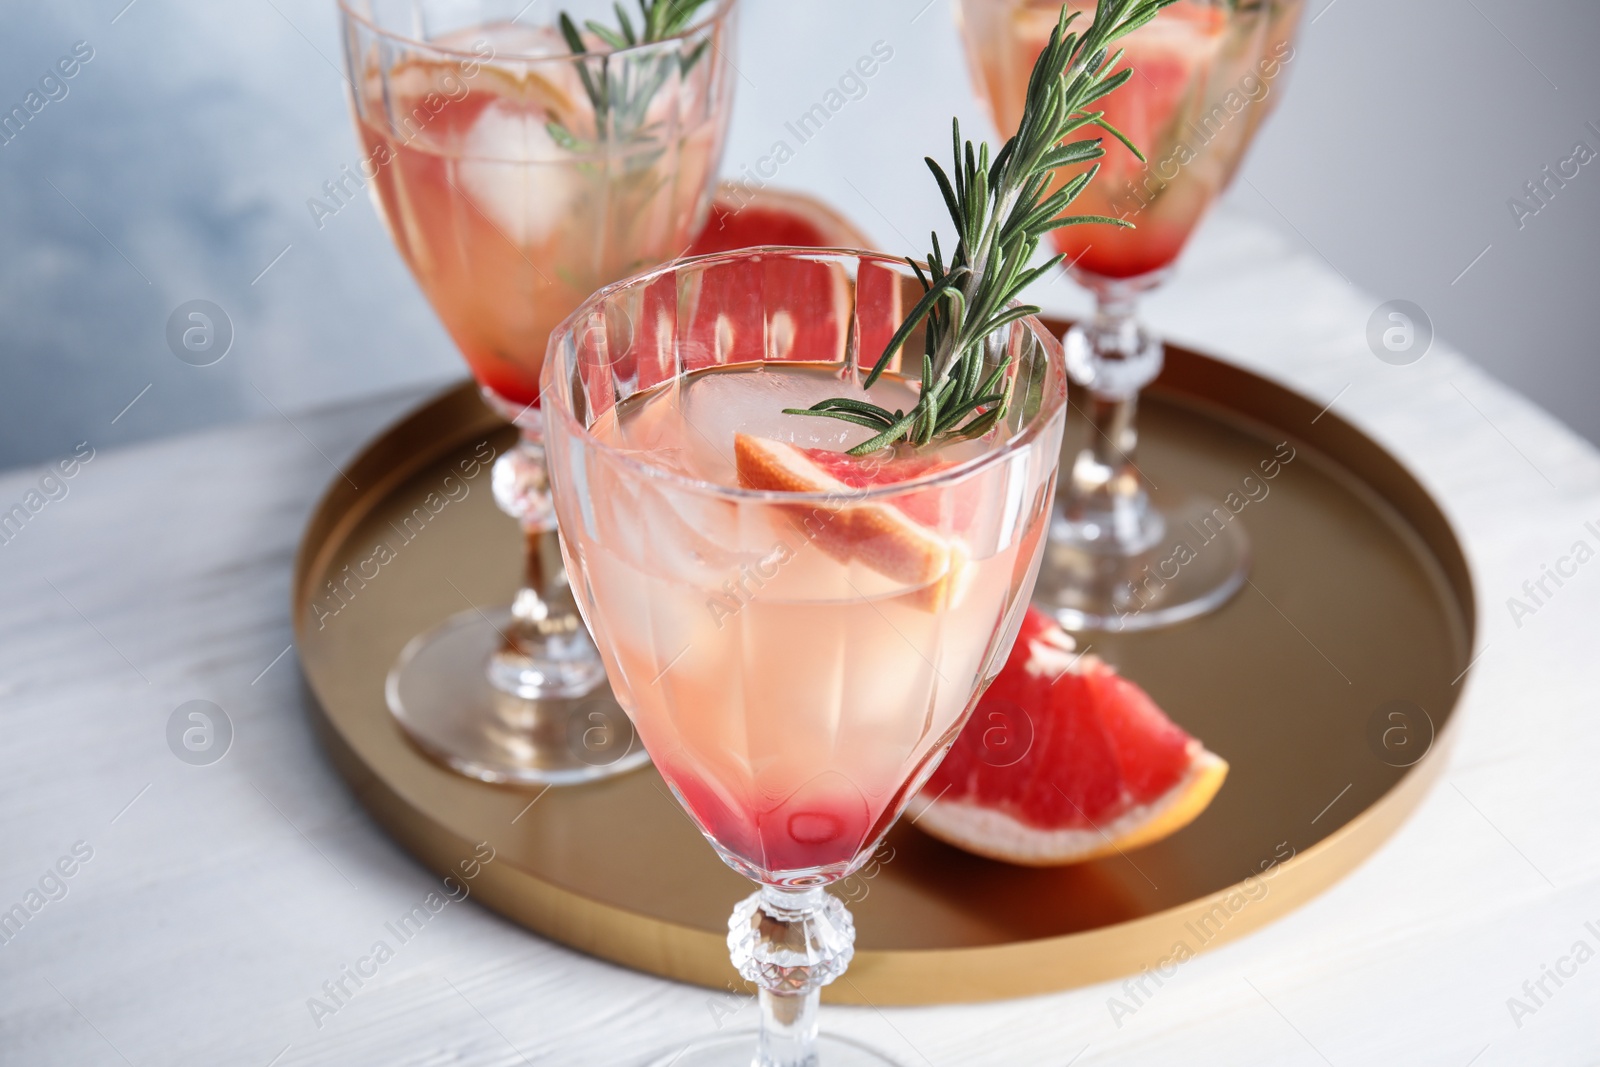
(878, 533)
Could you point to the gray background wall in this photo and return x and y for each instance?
(179, 164)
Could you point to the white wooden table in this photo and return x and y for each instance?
(218, 899)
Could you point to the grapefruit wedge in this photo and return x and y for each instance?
(1064, 760)
(898, 537)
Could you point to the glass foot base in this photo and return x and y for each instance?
(1201, 558)
(739, 1050)
(439, 692)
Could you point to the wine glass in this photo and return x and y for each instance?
(517, 178)
(1124, 554)
(796, 662)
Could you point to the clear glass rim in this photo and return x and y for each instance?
(718, 13)
(561, 408)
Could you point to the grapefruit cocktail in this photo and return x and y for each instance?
(518, 168)
(1206, 72)
(797, 633)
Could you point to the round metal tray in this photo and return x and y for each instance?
(1328, 682)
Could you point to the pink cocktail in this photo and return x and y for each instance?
(796, 633)
(1205, 75)
(519, 167)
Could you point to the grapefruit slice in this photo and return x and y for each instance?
(440, 99)
(1064, 760)
(896, 537)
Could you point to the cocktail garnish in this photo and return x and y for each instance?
(899, 539)
(1000, 212)
(621, 100)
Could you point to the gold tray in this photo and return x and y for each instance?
(1360, 598)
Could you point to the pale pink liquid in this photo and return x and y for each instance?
(505, 229)
(791, 699)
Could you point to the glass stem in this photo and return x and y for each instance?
(788, 1028)
(790, 943)
(522, 488)
(1112, 358)
(543, 607)
(1103, 471)
(546, 651)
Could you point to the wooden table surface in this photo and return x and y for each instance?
(207, 905)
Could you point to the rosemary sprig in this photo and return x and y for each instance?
(621, 98)
(1000, 212)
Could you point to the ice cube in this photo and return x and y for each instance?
(719, 405)
(517, 174)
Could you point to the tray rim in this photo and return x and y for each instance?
(909, 976)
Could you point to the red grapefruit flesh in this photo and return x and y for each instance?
(729, 323)
(1064, 760)
(724, 323)
(898, 537)
(740, 218)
